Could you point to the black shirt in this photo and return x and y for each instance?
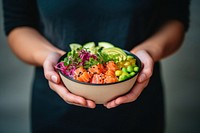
(124, 23)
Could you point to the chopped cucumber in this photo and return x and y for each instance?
(74, 46)
(105, 45)
(89, 45)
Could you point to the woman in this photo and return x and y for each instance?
(38, 32)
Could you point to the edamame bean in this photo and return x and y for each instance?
(123, 77)
(136, 69)
(132, 74)
(130, 68)
(124, 69)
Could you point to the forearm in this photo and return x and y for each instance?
(30, 46)
(165, 42)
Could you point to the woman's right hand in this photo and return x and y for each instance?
(56, 85)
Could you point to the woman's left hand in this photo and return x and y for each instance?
(141, 83)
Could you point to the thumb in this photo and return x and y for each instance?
(48, 65)
(147, 63)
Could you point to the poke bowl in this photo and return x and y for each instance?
(99, 82)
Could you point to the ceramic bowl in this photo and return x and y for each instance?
(100, 93)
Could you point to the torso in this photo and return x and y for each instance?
(124, 23)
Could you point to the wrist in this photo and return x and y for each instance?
(40, 56)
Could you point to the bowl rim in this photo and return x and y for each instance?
(138, 62)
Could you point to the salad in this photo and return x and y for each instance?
(100, 64)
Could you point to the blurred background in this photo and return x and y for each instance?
(180, 75)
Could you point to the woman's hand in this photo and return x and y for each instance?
(141, 83)
(57, 86)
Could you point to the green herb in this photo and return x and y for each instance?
(72, 58)
(90, 63)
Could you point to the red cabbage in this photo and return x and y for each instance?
(69, 70)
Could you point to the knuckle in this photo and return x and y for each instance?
(134, 98)
(67, 100)
(46, 75)
(149, 73)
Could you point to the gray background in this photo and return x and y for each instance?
(180, 75)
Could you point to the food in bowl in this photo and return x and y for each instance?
(97, 65)
(99, 73)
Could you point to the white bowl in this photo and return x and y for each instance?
(100, 93)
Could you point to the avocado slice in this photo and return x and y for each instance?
(115, 51)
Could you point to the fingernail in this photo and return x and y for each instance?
(54, 78)
(142, 78)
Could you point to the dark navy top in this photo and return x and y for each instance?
(124, 23)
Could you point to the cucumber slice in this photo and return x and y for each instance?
(74, 46)
(105, 45)
(89, 45)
